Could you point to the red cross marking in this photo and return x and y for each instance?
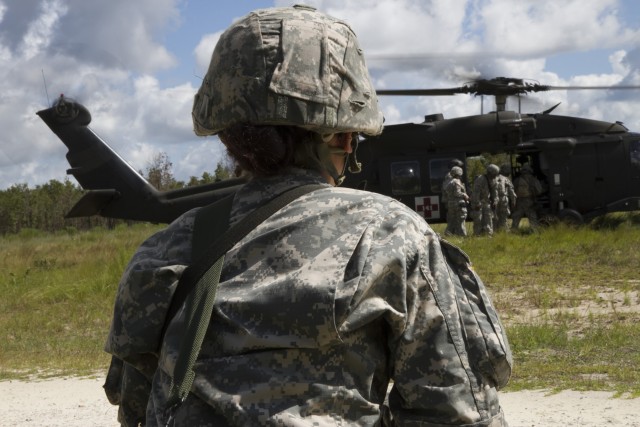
(428, 206)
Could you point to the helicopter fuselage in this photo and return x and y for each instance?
(589, 167)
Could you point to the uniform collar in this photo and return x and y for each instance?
(258, 191)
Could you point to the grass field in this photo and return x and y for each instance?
(569, 298)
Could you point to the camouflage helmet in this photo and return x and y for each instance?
(505, 169)
(288, 66)
(456, 171)
(493, 170)
(455, 162)
(526, 168)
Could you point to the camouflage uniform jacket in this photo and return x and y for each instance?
(485, 194)
(455, 192)
(527, 186)
(318, 310)
(505, 193)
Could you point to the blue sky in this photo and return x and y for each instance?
(197, 15)
(137, 64)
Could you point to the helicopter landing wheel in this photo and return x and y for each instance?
(547, 220)
(570, 217)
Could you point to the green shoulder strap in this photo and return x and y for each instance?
(198, 284)
(210, 222)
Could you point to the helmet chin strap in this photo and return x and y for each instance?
(354, 165)
(350, 160)
(338, 178)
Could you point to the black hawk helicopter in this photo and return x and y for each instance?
(589, 167)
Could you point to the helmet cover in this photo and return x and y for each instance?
(493, 170)
(456, 171)
(455, 162)
(288, 66)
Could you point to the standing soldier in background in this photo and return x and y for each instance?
(527, 188)
(457, 199)
(485, 201)
(447, 178)
(506, 197)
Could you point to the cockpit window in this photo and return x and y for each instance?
(405, 177)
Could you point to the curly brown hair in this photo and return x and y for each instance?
(264, 150)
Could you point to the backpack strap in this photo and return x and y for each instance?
(210, 222)
(198, 284)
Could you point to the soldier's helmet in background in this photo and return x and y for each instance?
(455, 162)
(493, 170)
(456, 171)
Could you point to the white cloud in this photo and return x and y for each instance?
(204, 50)
(199, 156)
(118, 33)
(543, 27)
(618, 65)
(41, 29)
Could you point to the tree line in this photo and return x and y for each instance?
(44, 206)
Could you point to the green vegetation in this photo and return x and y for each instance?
(56, 297)
(569, 298)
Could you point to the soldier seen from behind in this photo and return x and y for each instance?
(338, 297)
(447, 178)
(457, 200)
(484, 201)
(506, 198)
(527, 188)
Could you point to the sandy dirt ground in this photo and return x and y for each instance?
(81, 402)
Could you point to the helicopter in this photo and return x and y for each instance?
(588, 167)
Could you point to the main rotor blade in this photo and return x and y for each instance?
(424, 92)
(498, 86)
(591, 87)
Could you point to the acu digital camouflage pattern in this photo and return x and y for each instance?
(288, 66)
(319, 309)
(483, 202)
(456, 196)
(506, 200)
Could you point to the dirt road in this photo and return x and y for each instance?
(81, 402)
